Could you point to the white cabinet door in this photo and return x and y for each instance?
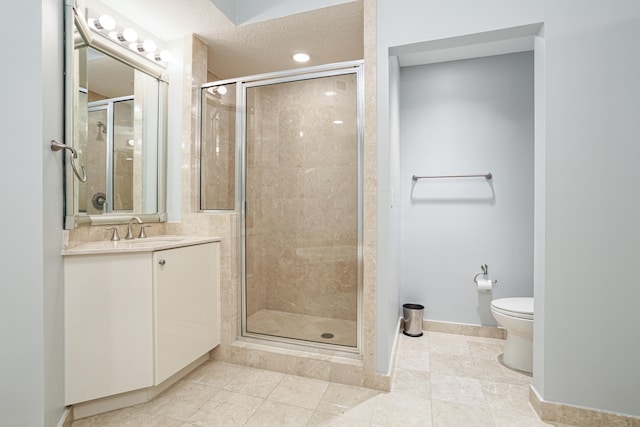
(186, 306)
(108, 325)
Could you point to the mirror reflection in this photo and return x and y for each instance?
(116, 123)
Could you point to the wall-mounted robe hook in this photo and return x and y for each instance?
(57, 146)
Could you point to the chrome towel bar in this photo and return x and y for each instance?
(57, 146)
(483, 175)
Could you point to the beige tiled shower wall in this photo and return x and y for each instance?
(302, 197)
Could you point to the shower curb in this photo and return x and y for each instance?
(316, 365)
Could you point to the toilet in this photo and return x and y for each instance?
(516, 316)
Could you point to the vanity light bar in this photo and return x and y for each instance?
(105, 24)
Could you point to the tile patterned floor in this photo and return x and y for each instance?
(439, 380)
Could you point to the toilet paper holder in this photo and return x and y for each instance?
(484, 272)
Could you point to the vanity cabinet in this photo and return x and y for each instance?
(134, 319)
(186, 315)
(108, 325)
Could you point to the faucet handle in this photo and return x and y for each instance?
(142, 233)
(114, 237)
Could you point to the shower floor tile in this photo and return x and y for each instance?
(469, 391)
(303, 327)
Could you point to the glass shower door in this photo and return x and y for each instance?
(111, 157)
(93, 195)
(302, 227)
(123, 155)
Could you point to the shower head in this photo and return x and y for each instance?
(102, 130)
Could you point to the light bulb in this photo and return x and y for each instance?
(165, 56)
(149, 46)
(106, 22)
(301, 57)
(151, 56)
(129, 35)
(222, 90)
(134, 47)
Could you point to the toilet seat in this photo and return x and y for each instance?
(521, 308)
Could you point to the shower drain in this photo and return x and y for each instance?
(327, 335)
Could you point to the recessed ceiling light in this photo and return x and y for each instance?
(301, 57)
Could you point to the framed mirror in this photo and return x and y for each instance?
(116, 102)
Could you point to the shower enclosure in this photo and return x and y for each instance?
(110, 143)
(299, 142)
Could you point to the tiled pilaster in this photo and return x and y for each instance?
(371, 379)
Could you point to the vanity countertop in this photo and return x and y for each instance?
(149, 244)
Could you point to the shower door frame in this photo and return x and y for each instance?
(108, 104)
(344, 68)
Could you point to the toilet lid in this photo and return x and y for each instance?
(517, 307)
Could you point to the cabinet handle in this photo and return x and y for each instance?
(162, 262)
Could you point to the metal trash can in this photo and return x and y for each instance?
(412, 314)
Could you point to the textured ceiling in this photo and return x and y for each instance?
(330, 34)
(249, 11)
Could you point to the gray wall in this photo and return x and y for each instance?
(31, 281)
(467, 117)
(587, 231)
(175, 113)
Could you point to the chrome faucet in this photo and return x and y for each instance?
(114, 237)
(129, 235)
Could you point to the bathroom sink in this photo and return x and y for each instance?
(156, 239)
(152, 241)
(147, 244)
